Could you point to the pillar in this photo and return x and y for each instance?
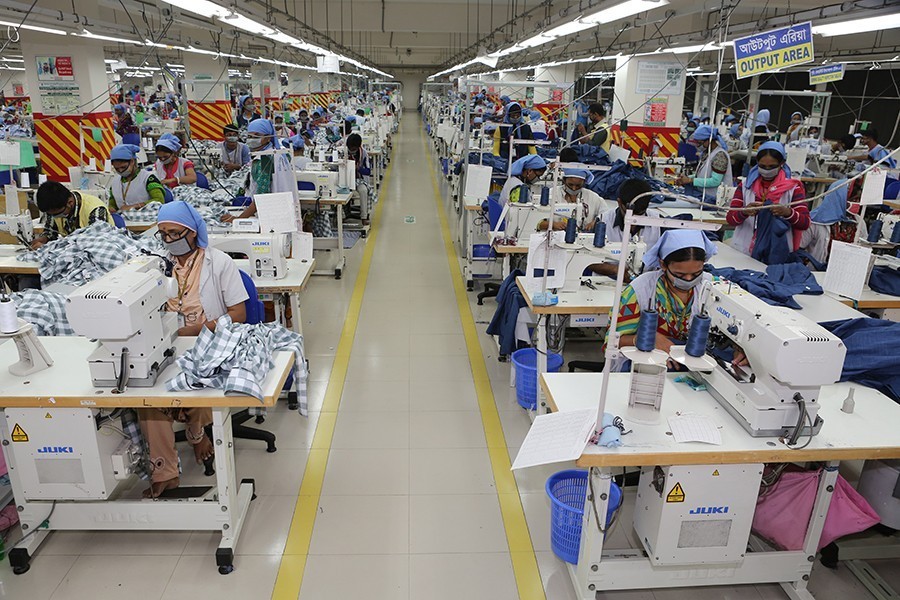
(704, 98)
(653, 110)
(208, 101)
(71, 103)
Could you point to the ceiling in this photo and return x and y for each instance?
(431, 35)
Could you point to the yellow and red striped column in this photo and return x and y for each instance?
(60, 140)
(207, 119)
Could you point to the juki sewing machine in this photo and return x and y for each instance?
(267, 253)
(583, 254)
(659, 167)
(790, 358)
(124, 309)
(325, 182)
(20, 227)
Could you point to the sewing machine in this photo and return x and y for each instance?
(887, 229)
(583, 254)
(124, 310)
(790, 358)
(20, 227)
(267, 253)
(325, 182)
(659, 167)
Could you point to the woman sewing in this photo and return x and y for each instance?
(209, 286)
(523, 173)
(247, 113)
(771, 237)
(715, 166)
(671, 289)
(588, 205)
(171, 169)
(132, 187)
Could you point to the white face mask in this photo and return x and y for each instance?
(571, 192)
(768, 174)
(255, 143)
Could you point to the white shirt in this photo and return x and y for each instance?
(648, 235)
(300, 162)
(592, 202)
(221, 285)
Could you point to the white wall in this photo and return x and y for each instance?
(412, 80)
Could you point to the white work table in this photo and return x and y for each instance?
(66, 385)
(290, 287)
(337, 202)
(867, 433)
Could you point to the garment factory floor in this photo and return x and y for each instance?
(408, 507)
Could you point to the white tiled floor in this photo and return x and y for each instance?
(409, 509)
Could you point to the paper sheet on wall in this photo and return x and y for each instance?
(478, 183)
(873, 188)
(848, 269)
(9, 154)
(557, 437)
(617, 153)
(277, 212)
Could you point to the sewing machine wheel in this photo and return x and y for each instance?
(225, 560)
(19, 560)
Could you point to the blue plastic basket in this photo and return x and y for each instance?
(567, 491)
(525, 361)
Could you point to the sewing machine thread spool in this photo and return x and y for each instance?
(895, 234)
(524, 194)
(645, 338)
(545, 196)
(698, 336)
(9, 321)
(571, 231)
(599, 234)
(875, 231)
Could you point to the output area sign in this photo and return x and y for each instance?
(773, 50)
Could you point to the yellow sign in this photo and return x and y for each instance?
(18, 434)
(716, 473)
(676, 495)
(48, 416)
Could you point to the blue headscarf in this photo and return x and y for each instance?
(763, 117)
(169, 141)
(509, 107)
(777, 147)
(730, 118)
(834, 205)
(580, 174)
(265, 127)
(735, 130)
(536, 115)
(705, 132)
(121, 107)
(674, 240)
(532, 161)
(184, 214)
(124, 152)
(242, 100)
(296, 142)
(504, 99)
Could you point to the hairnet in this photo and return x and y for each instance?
(124, 152)
(776, 146)
(798, 113)
(264, 127)
(296, 142)
(532, 161)
(580, 174)
(184, 214)
(504, 99)
(735, 129)
(509, 108)
(121, 107)
(674, 240)
(169, 141)
(706, 132)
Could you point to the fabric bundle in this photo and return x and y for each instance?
(873, 353)
(147, 213)
(46, 311)
(776, 286)
(237, 357)
(87, 254)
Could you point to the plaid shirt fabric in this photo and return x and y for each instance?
(46, 311)
(87, 254)
(148, 213)
(132, 428)
(237, 357)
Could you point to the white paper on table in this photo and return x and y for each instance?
(695, 428)
(9, 154)
(873, 188)
(557, 437)
(848, 269)
(478, 183)
(302, 245)
(537, 257)
(276, 212)
(617, 153)
(12, 199)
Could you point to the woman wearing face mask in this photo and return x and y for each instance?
(524, 172)
(588, 205)
(793, 132)
(171, 169)
(233, 153)
(209, 286)
(671, 289)
(247, 111)
(513, 127)
(132, 187)
(614, 219)
(715, 163)
(269, 173)
(769, 182)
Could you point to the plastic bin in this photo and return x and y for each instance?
(525, 361)
(567, 491)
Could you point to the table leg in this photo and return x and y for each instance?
(592, 532)
(296, 318)
(340, 241)
(541, 362)
(234, 501)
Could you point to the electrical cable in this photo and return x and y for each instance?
(44, 523)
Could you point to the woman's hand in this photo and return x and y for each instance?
(739, 359)
(227, 218)
(684, 180)
(753, 208)
(782, 210)
(663, 343)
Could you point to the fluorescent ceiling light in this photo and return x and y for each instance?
(200, 7)
(17, 60)
(34, 28)
(174, 66)
(621, 11)
(535, 41)
(568, 29)
(859, 25)
(87, 34)
(8, 68)
(284, 38)
(247, 24)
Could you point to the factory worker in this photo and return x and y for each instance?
(209, 286)
(524, 172)
(671, 288)
(298, 146)
(281, 130)
(627, 199)
(760, 129)
(355, 152)
(598, 133)
(513, 127)
(269, 173)
(171, 169)
(66, 211)
(233, 152)
(874, 150)
(793, 131)
(844, 144)
(360, 117)
(769, 182)
(247, 112)
(500, 108)
(125, 126)
(132, 187)
(537, 124)
(715, 163)
(588, 205)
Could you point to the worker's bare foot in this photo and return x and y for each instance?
(203, 450)
(158, 487)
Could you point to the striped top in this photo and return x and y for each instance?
(674, 315)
